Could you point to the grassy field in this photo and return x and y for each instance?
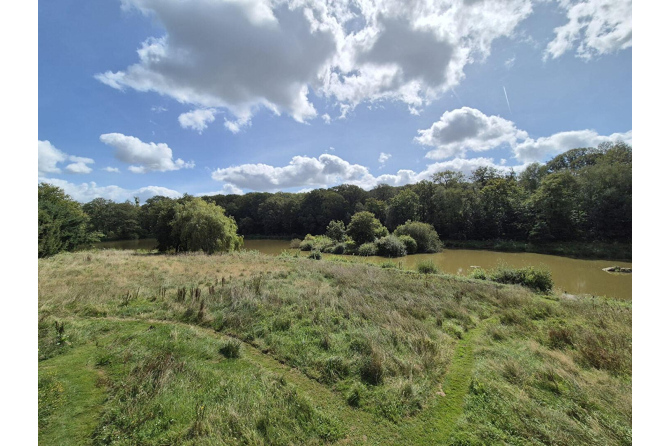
(140, 348)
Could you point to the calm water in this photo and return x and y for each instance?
(570, 275)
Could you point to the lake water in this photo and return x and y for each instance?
(574, 276)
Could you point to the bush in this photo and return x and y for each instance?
(372, 370)
(295, 243)
(410, 244)
(427, 267)
(424, 234)
(530, 277)
(316, 243)
(315, 255)
(390, 246)
(367, 249)
(339, 248)
(231, 349)
(365, 228)
(336, 230)
(479, 274)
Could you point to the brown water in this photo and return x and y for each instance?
(572, 276)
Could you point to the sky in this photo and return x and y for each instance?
(148, 97)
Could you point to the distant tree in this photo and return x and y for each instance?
(482, 175)
(449, 178)
(402, 207)
(424, 235)
(62, 224)
(203, 226)
(365, 228)
(336, 230)
(377, 207)
(555, 203)
(383, 192)
(531, 176)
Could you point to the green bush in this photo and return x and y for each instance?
(410, 244)
(365, 228)
(315, 255)
(530, 277)
(316, 243)
(478, 273)
(231, 349)
(424, 234)
(390, 246)
(339, 248)
(367, 249)
(427, 267)
(295, 243)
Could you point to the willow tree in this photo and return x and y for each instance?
(203, 226)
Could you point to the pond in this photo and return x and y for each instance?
(574, 276)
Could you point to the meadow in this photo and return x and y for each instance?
(245, 348)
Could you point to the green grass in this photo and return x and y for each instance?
(286, 350)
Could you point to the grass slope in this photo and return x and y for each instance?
(130, 349)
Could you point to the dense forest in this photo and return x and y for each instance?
(584, 194)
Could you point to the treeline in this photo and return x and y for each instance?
(186, 224)
(584, 194)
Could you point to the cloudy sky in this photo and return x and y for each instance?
(145, 97)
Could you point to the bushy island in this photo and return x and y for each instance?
(366, 236)
(244, 348)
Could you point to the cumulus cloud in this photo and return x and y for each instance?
(595, 26)
(540, 149)
(86, 192)
(197, 119)
(227, 189)
(329, 170)
(48, 158)
(245, 55)
(233, 54)
(383, 157)
(111, 169)
(143, 157)
(465, 129)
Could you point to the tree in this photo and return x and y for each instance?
(62, 224)
(402, 207)
(203, 226)
(365, 228)
(424, 235)
(336, 230)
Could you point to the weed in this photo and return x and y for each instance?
(427, 267)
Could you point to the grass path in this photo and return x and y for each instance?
(433, 426)
(83, 397)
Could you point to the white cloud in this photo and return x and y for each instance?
(112, 169)
(326, 118)
(227, 189)
(79, 167)
(599, 26)
(245, 55)
(542, 148)
(144, 157)
(383, 157)
(158, 109)
(465, 129)
(234, 54)
(197, 119)
(86, 192)
(48, 156)
(329, 170)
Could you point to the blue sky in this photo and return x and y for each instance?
(141, 97)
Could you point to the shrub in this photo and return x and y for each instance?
(372, 369)
(427, 267)
(530, 277)
(365, 228)
(307, 244)
(390, 246)
(478, 273)
(339, 248)
(367, 249)
(315, 255)
(410, 244)
(231, 349)
(336, 230)
(295, 243)
(424, 234)
(316, 243)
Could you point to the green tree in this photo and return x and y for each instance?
(424, 235)
(402, 207)
(203, 226)
(62, 224)
(336, 230)
(365, 228)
